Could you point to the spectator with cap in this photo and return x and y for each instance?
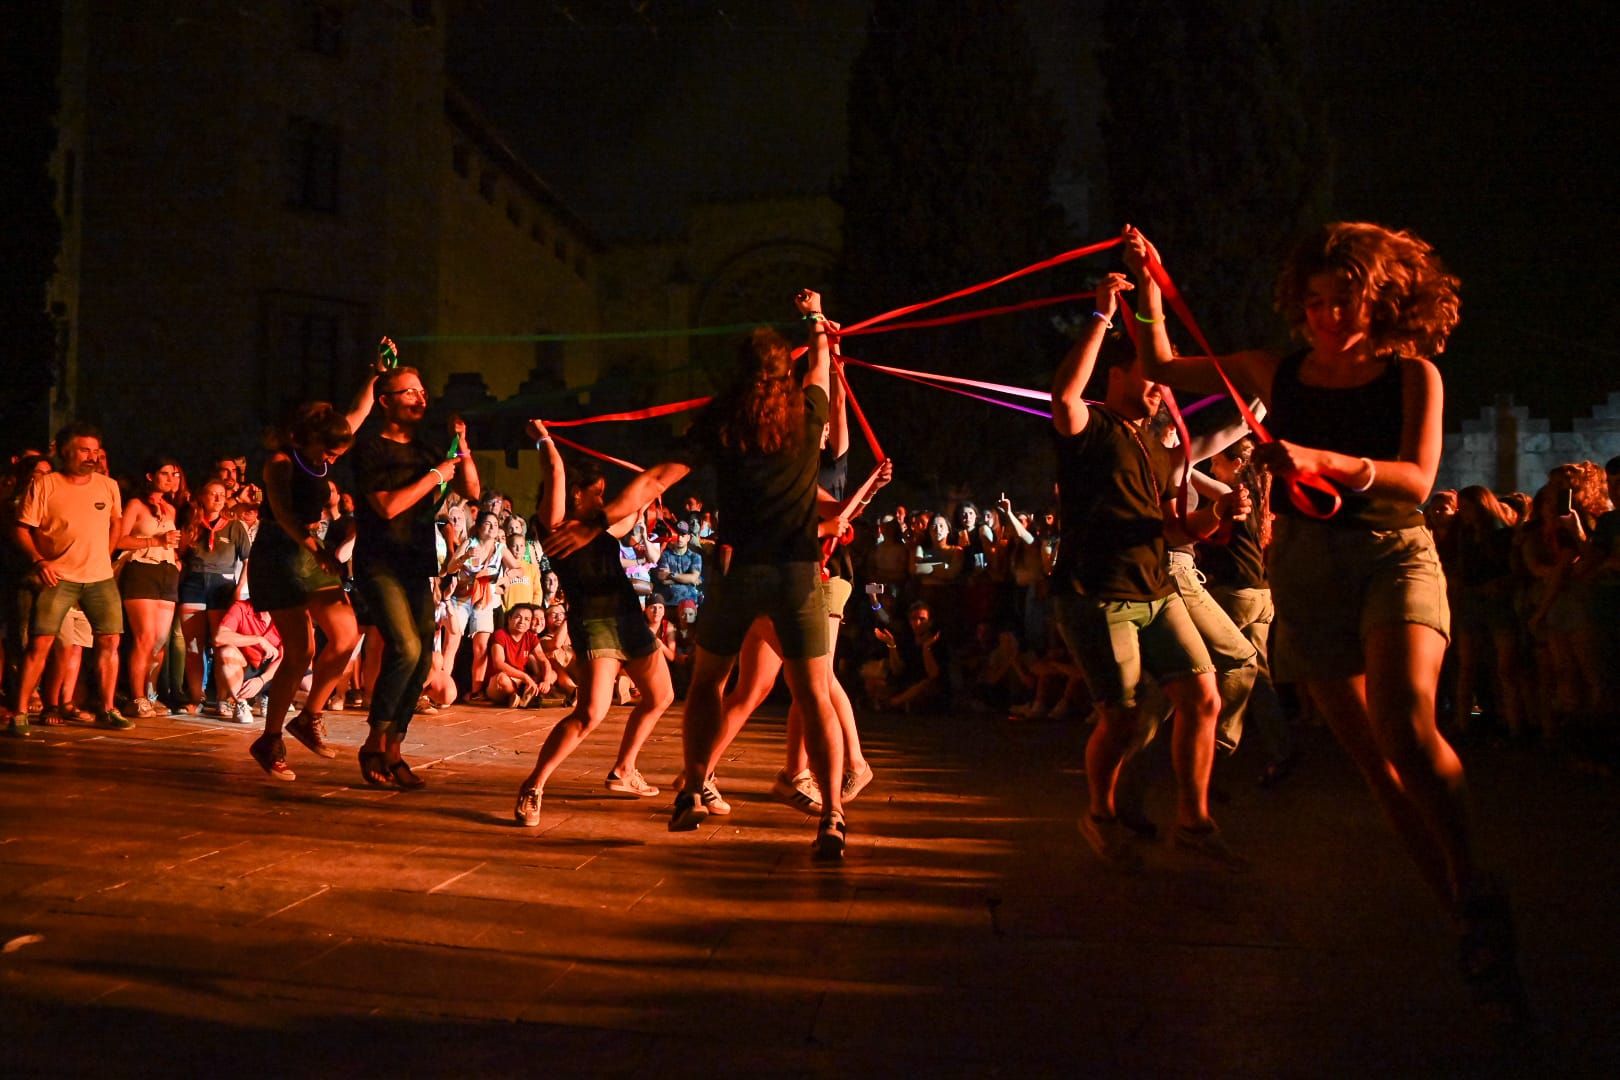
(680, 568)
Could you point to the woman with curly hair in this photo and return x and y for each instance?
(762, 433)
(295, 575)
(150, 580)
(1362, 617)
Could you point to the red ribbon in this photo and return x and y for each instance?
(1327, 500)
(969, 316)
(928, 380)
(648, 413)
(609, 458)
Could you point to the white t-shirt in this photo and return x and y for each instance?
(72, 524)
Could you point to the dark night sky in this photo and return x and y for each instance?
(1483, 128)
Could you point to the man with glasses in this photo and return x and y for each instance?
(401, 481)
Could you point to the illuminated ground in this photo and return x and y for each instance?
(197, 918)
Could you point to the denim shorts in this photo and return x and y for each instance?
(98, 599)
(1332, 585)
(1113, 641)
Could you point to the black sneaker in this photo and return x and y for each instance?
(271, 754)
(689, 813)
(831, 838)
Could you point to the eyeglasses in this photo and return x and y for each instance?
(409, 391)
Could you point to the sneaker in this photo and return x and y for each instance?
(527, 812)
(1105, 837)
(18, 727)
(113, 719)
(355, 699)
(1209, 843)
(242, 713)
(424, 707)
(800, 792)
(855, 782)
(139, 709)
(219, 710)
(831, 838)
(311, 731)
(261, 705)
(713, 801)
(631, 782)
(335, 704)
(271, 754)
(688, 814)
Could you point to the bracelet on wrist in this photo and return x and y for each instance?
(439, 474)
(1108, 324)
(1372, 475)
(815, 317)
(1147, 321)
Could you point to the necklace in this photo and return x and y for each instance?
(326, 466)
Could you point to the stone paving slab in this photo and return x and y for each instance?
(171, 911)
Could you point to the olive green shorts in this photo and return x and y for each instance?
(1332, 585)
(790, 594)
(1113, 641)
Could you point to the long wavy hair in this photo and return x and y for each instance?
(1479, 510)
(1247, 473)
(1411, 301)
(311, 423)
(760, 412)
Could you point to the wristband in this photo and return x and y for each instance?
(440, 475)
(538, 443)
(815, 316)
(1108, 324)
(1372, 475)
(1150, 322)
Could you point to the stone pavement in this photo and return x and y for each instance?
(169, 910)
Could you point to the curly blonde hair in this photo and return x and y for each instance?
(1410, 300)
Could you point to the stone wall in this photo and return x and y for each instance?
(1507, 449)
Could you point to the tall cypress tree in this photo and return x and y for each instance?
(1215, 148)
(952, 146)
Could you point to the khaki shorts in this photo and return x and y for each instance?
(789, 593)
(1113, 641)
(837, 591)
(624, 638)
(1332, 585)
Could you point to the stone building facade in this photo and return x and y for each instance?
(1507, 449)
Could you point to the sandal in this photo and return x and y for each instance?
(404, 777)
(52, 716)
(374, 768)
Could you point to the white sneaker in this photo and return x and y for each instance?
(242, 712)
(527, 811)
(800, 792)
(631, 782)
(855, 782)
(713, 802)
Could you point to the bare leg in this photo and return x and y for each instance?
(331, 612)
(297, 643)
(107, 669)
(194, 628)
(595, 697)
(701, 724)
(808, 680)
(650, 675)
(1197, 705)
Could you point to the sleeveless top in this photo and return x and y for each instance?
(594, 581)
(1364, 421)
(153, 525)
(308, 494)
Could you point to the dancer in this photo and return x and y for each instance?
(1362, 618)
(1113, 599)
(763, 435)
(297, 579)
(399, 477)
(609, 630)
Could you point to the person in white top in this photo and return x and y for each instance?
(150, 579)
(68, 524)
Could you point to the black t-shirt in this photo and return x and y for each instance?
(594, 581)
(767, 502)
(1113, 525)
(403, 544)
(834, 473)
(1238, 563)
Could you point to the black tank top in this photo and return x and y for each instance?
(1361, 420)
(594, 581)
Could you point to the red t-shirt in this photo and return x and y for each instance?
(242, 619)
(518, 650)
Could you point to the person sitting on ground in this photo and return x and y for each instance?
(247, 654)
(915, 676)
(510, 681)
(558, 648)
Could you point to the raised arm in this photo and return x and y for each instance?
(808, 301)
(366, 396)
(1250, 371)
(646, 487)
(837, 413)
(1069, 412)
(554, 507)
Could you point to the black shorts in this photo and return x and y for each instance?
(149, 581)
(216, 592)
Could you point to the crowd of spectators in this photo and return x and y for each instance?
(951, 611)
